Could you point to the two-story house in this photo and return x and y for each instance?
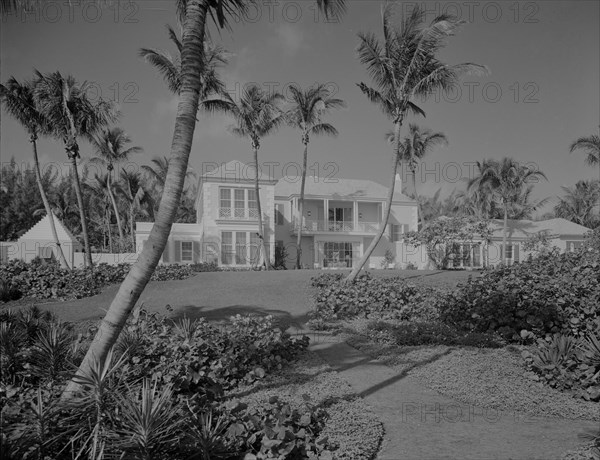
(340, 219)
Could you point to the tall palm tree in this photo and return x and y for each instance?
(403, 67)
(132, 190)
(591, 147)
(415, 146)
(306, 115)
(170, 67)
(578, 203)
(72, 115)
(256, 114)
(110, 145)
(508, 181)
(193, 15)
(19, 103)
(101, 198)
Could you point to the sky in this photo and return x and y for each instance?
(543, 91)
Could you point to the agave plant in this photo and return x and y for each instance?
(556, 352)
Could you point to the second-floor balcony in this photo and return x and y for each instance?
(238, 213)
(334, 226)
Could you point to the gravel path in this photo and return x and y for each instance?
(423, 424)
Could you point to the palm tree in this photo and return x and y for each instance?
(110, 145)
(507, 181)
(414, 147)
(19, 103)
(591, 147)
(72, 115)
(132, 190)
(404, 66)
(256, 115)
(308, 108)
(101, 198)
(193, 14)
(170, 67)
(578, 203)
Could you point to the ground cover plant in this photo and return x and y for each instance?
(40, 280)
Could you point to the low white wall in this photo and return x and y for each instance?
(104, 258)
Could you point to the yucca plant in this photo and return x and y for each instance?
(91, 408)
(12, 340)
(52, 352)
(206, 433)
(149, 423)
(591, 353)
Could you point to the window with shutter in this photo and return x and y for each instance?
(187, 251)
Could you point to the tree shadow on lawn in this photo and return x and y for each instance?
(283, 319)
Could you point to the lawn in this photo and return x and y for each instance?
(285, 294)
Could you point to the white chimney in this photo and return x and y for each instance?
(398, 186)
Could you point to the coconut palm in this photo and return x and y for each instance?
(415, 146)
(306, 115)
(508, 182)
(132, 191)
(72, 115)
(578, 203)
(193, 15)
(591, 147)
(19, 103)
(101, 198)
(170, 67)
(403, 67)
(256, 114)
(110, 145)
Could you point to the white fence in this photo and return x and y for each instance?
(105, 258)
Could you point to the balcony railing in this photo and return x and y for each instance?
(238, 213)
(336, 226)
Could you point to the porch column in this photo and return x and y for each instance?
(355, 215)
(325, 214)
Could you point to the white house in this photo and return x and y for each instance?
(340, 219)
(38, 242)
(561, 233)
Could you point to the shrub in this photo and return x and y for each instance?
(47, 280)
(544, 295)
(368, 297)
(9, 292)
(200, 267)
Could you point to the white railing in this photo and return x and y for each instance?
(336, 226)
(238, 213)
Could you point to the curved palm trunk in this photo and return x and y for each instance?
(38, 176)
(504, 236)
(109, 230)
(116, 209)
(261, 227)
(82, 217)
(185, 123)
(132, 227)
(395, 160)
(301, 209)
(420, 216)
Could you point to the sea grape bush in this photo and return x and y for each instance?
(47, 280)
(391, 298)
(548, 294)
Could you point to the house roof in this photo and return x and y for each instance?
(336, 187)
(525, 228)
(236, 171)
(42, 231)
